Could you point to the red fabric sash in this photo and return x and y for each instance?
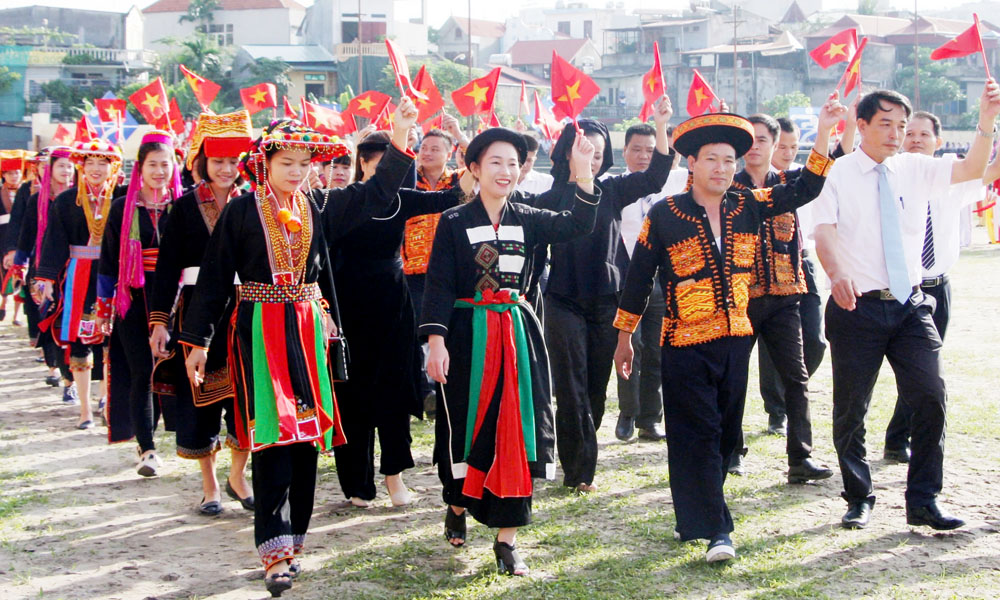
(273, 326)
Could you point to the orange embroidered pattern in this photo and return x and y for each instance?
(818, 164)
(740, 286)
(784, 227)
(644, 234)
(626, 321)
(690, 334)
(695, 301)
(418, 238)
(744, 249)
(686, 257)
(783, 271)
(762, 195)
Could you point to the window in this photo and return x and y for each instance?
(315, 89)
(458, 33)
(223, 33)
(563, 27)
(588, 30)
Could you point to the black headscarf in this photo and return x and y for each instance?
(560, 164)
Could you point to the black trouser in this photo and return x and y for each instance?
(415, 283)
(284, 486)
(581, 341)
(639, 396)
(133, 333)
(356, 459)
(777, 325)
(32, 316)
(198, 427)
(704, 390)
(772, 390)
(897, 433)
(859, 340)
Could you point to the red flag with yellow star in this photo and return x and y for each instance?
(402, 70)
(367, 105)
(572, 90)
(258, 97)
(478, 95)
(434, 123)
(290, 110)
(62, 136)
(653, 85)
(204, 90)
(427, 107)
(386, 117)
(839, 48)
(700, 96)
(325, 120)
(151, 101)
(84, 130)
(545, 121)
(110, 110)
(852, 76)
(175, 117)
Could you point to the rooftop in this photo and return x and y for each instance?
(481, 28)
(289, 53)
(539, 52)
(182, 5)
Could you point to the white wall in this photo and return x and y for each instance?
(265, 26)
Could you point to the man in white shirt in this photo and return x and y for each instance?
(870, 222)
(640, 399)
(531, 181)
(923, 136)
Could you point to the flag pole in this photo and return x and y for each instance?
(979, 34)
(861, 47)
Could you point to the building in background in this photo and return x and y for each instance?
(486, 39)
(235, 23)
(313, 69)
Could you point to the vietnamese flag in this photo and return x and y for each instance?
(968, 42)
(542, 119)
(367, 105)
(151, 101)
(402, 70)
(61, 136)
(852, 75)
(258, 97)
(839, 48)
(434, 123)
(478, 95)
(653, 85)
(84, 130)
(386, 118)
(204, 90)
(571, 88)
(289, 109)
(325, 120)
(110, 110)
(175, 117)
(700, 96)
(522, 102)
(433, 102)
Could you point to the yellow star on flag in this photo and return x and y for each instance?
(651, 82)
(855, 67)
(699, 95)
(478, 94)
(836, 50)
(572, 92)
(320, 118)
(194, 84)
(422, 100)
(259, 96)
(152, 102)
(365, 104)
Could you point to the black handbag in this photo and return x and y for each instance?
(339, 355)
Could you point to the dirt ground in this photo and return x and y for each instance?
(77, 522)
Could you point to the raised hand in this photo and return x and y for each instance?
(663, 110)
(989, 105)
(582, 155)
(832, 112)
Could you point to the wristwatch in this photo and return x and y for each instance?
(990, 136)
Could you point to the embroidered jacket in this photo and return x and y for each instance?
(418, 235)
(706, 288)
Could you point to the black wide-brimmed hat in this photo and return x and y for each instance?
(713, 128)
(496, 134)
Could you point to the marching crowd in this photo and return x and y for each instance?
(311, 293)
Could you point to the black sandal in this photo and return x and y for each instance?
(294, 568)
(276, 587)
(508, 560)
(454, 527)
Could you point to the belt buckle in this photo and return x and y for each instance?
(885, 295)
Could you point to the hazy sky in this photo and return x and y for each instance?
(440, 10)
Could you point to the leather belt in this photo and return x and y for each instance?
(930, 282)
(885, 294)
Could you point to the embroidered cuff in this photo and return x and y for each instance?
(591, 199)
(818, 164)
(405, 151)
(158, 317)
(102, 308)
(626, 321)
(428, 329)
(192, 345)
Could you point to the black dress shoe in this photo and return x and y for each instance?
(736, 465)
(808, 470)
(900, 455)
(857, 515)
(777, 426)
(654, 433)
(625, 428)
(931, 516)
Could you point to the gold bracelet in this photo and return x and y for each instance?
(585, 180)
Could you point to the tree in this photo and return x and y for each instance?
(200, 11)
(72, 101)
(447, 75)
(779, 105)
(936, 84)
(7, 79)
(269, 70)
(867, 7)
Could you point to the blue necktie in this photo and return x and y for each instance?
(892, 240)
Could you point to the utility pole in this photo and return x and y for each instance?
(916, 60)
(468, 57)
(736, 22)
(361, 62)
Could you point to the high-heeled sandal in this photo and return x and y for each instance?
(454, 527)
(278, 583)
(508, 560)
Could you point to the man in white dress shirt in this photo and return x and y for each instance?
(640, 398)
(531, 181)
(923, 136)
(870, 223)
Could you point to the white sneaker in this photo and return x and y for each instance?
(149, 465)
(720, 549)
